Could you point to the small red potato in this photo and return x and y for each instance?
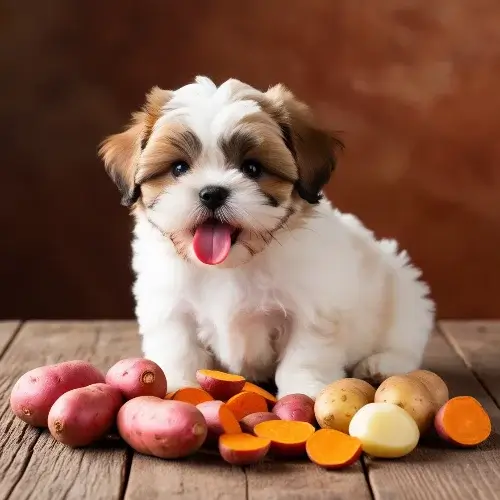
(84, 415)
(37, 390)
(137, 377)
(297, 407)
(220, 385)
(243, 449)
(161, 428)
(250, 421)
(463, 422)
(220, 420)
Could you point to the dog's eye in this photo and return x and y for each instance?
(179, 168)
(251, 168)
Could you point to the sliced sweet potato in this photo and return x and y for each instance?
(288, 437)
(220, 420)
(243, 449)
(333, 449)
(192, 395)
(250, 387)
(220, 385)
(250, 421)
(245, 403)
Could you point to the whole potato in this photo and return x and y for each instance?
(337, 404)
(137, 377)
(84, 415)
(37, 390)
(161, 428)
(411, 395)
(296, 407)
(434, 384)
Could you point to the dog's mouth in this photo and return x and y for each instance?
(212, 241)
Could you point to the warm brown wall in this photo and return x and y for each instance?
(413, 85)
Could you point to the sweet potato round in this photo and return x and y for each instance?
(84, 415)
(333, 449)
(37, 390)
(137, 377)
(161, 428)
(288, 437)
(243, 449)
(220, 385)
(296, 407)
(250, 421)
(411, 395)
(463, 422)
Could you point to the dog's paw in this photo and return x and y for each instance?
(377, 367)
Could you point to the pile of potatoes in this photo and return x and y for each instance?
(80, 405)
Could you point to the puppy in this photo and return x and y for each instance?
(241, 263)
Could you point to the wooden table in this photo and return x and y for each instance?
(34, 466)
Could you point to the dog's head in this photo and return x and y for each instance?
(219, 170)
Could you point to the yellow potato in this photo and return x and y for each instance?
(411, 395)
(338, 403)
(435, 385)
(385, 430)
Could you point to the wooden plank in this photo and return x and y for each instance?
(32, 464)
(8, 330)
(202, 477)
(280, 480)
(478, 344)
(435, 470)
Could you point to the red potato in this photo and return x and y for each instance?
(220, 420)
(161, 428)
(297, 407)
(463, 421)
(250, 421)
(84, 415)
(137, 377)
(243, 449)
(37, 390)
(220, 385)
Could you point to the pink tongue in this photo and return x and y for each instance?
(212, 242)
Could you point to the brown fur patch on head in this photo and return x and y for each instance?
(172, 142)
(313, 148)
(258, 138)
(121, 152)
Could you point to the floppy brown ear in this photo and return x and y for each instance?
(121, 152)
(313, 148)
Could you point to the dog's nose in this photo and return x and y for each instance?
(213, 196)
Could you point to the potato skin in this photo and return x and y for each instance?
(37, 390)
(137, 377)
(296, 407)
(411, 395)
(435, 385)
(84, 415)
(250, 421)
(161, 428)
(337, 404)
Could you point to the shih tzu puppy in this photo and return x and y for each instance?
(240, 262)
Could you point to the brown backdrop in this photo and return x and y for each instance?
(413, 85)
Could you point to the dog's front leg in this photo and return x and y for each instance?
(174, 346)
(310, 361)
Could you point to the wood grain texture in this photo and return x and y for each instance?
(8, 330)
(435, 470)
(478, 344)
(282, 480)
(201, 477)
(32, 464)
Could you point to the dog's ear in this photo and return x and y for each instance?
(314, 149)
(121, 152)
